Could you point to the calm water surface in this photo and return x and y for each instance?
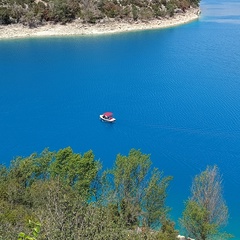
(174, 92)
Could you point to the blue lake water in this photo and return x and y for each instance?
(174, 92)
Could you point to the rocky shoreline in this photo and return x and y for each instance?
(77, 28)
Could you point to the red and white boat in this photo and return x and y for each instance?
(107, 117)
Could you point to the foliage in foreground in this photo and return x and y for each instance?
(70, 198)
(65, 195)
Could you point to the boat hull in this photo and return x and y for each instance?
(110, 120)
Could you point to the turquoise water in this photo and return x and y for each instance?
(174, 92)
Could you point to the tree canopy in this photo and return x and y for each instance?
(138, 191)
(66, 195)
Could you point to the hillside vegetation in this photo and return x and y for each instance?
(38, 12)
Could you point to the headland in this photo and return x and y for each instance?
(76, 28)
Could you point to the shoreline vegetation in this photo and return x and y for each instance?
(110, 26)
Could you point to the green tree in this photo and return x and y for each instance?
(64, 10)
(170, 8)
(168, 231)
(134, 13)
(26, 170)
(206, 212)
(130, 179)
(75, 170)
(139, 194)
(154, 200)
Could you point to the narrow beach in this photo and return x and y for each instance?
(78, 28)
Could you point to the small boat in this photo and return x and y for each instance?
(107, 117)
